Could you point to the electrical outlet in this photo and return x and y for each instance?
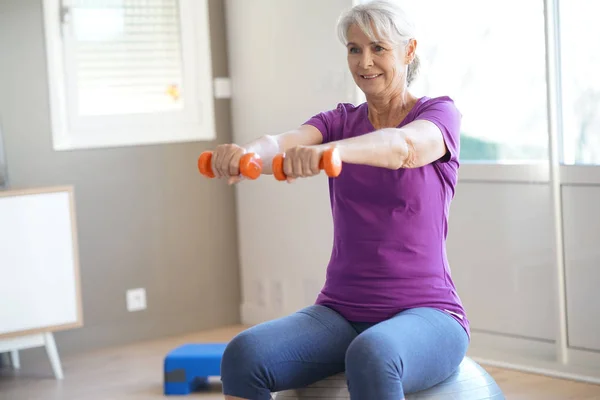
(136, 299)
(222, 88)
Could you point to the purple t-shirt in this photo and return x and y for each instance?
(390, 226)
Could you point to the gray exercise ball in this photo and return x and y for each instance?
(469, 382)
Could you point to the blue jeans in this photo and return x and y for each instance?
(412, 351)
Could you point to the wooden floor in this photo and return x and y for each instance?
(135, 372)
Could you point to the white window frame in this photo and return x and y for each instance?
(194, 123)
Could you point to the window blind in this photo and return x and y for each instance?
(126, 56)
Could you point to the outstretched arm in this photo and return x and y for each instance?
(268, 146)
(414, 145)
(226, 157)
(434, 135)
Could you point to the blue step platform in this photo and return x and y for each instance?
(188, 367)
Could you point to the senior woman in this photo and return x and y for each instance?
(389, 314)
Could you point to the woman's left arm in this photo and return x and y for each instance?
(414, 145)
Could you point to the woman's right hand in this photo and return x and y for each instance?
(226, 162)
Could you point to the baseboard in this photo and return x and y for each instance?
(550, 369)
(533, 356)
(530, 348)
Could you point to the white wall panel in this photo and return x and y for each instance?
(501, 250)
(582, 258)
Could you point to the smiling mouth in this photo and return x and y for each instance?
(368, 77)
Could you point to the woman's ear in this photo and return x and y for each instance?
(411, 50)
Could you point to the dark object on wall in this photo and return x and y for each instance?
(3, 167)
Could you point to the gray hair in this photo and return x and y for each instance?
(390, 22)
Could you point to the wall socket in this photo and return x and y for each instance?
(136, 299)
(222, 88)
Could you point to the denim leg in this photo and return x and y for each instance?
(412, 351)
(286, 353)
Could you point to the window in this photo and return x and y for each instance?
(490, 58)
(492, 63)
(128, 72)
(580, 63)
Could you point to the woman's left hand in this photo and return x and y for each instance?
(302, 162)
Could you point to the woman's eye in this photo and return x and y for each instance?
(353, 50)
(379, 48)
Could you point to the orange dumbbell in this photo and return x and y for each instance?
(250, 165)
(330, 162)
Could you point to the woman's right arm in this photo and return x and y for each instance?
(226, 157)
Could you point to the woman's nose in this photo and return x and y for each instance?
(366, 60)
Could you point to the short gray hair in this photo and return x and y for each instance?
(390, 21)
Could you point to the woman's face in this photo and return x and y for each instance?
(378, 68)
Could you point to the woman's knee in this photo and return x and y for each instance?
(371, 354)
(243, 357)
(244, 372)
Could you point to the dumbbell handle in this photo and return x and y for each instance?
(250, 165)
(330, 162)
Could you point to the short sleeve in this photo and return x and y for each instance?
(445, 115)
(328, 123)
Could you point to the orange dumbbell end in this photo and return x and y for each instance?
(251, 166)
(331, 162)
(278, 167)
(204, 164)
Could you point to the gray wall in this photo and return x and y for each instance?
(285, 230)
(143, 212)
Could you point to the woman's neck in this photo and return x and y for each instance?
(389, 111)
